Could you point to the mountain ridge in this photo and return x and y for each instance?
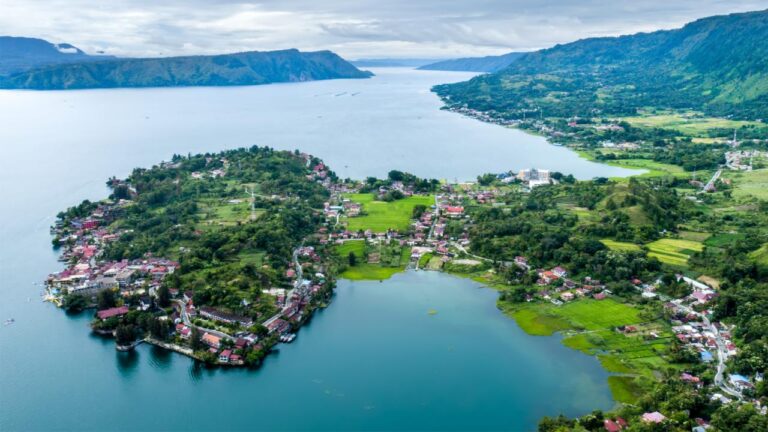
(716, 64)
(82, 71)
(475, 64)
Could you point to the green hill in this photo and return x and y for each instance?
(717, 64)
(475, 64)
(246, 68)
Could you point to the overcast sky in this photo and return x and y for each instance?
(352, 28)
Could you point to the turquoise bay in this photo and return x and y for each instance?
(374, 360)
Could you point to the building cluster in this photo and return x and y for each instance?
(743, 159)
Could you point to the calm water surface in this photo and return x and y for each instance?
(374, 360)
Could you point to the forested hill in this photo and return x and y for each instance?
(717, 64)
(247, 68)
(18, 54)
(475, 64)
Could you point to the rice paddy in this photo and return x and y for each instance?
(674, 251)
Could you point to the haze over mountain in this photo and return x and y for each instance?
(40, 65)
(475, 64)
(717, 64)
(21, 53)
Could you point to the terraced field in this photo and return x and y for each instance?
(620, 246)
(674, 251)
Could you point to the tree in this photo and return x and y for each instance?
(106, 299)
(74, 302)
(195, 339)
(352, 259)
(125, 334)
(163, 296)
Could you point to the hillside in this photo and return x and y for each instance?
(18, 54)
(718, 65)
(248, 68)
(475, 64)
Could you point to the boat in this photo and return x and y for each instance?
(9, 321)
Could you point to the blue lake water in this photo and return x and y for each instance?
(374, 360)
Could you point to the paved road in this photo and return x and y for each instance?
(185, 319)
(721, 355)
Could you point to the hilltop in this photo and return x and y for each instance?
(718, 65)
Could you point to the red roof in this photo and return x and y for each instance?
(112, 312)
(611, 426)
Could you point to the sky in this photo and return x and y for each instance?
(353, 28)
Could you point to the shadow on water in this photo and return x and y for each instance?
(127, 362)
(160, 358)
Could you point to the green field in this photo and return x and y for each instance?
(590, 327)
(357, 247)
(218, 212)
(382, 215)
(750, 184)
(674, 251)
(653, 169)
(760, 256)
(688, 125)
(370, 272)
(620, 246)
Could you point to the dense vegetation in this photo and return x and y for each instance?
(717, 65)
(224, 259)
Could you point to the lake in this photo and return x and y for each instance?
(375, 359)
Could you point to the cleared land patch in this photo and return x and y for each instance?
(381, 215)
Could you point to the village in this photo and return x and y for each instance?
(434, 236)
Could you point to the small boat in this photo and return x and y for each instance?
(9, 321)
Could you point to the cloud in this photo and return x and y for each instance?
(353, 28)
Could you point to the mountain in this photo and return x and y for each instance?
(18, 54)
(246, 68)
(718, 65)
(475, 64)
(391, 62)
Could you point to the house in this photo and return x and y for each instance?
(112, 312)
(224, 356)
(653, 417)
(599, 296)
(611, 426)
(188, 296)
(453, 211)
(567, 296)
(211, 340)
(560, 272)
(183, 331)
(217, 315)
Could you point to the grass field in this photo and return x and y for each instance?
(366, 271)
(694, 235)
(357, 247)
(625, 389)
(590, 327)
(653, 169)
(697, 126)
(620, 246)
(752, 183)
(674, 251)
(724, 239)
(382, 216)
